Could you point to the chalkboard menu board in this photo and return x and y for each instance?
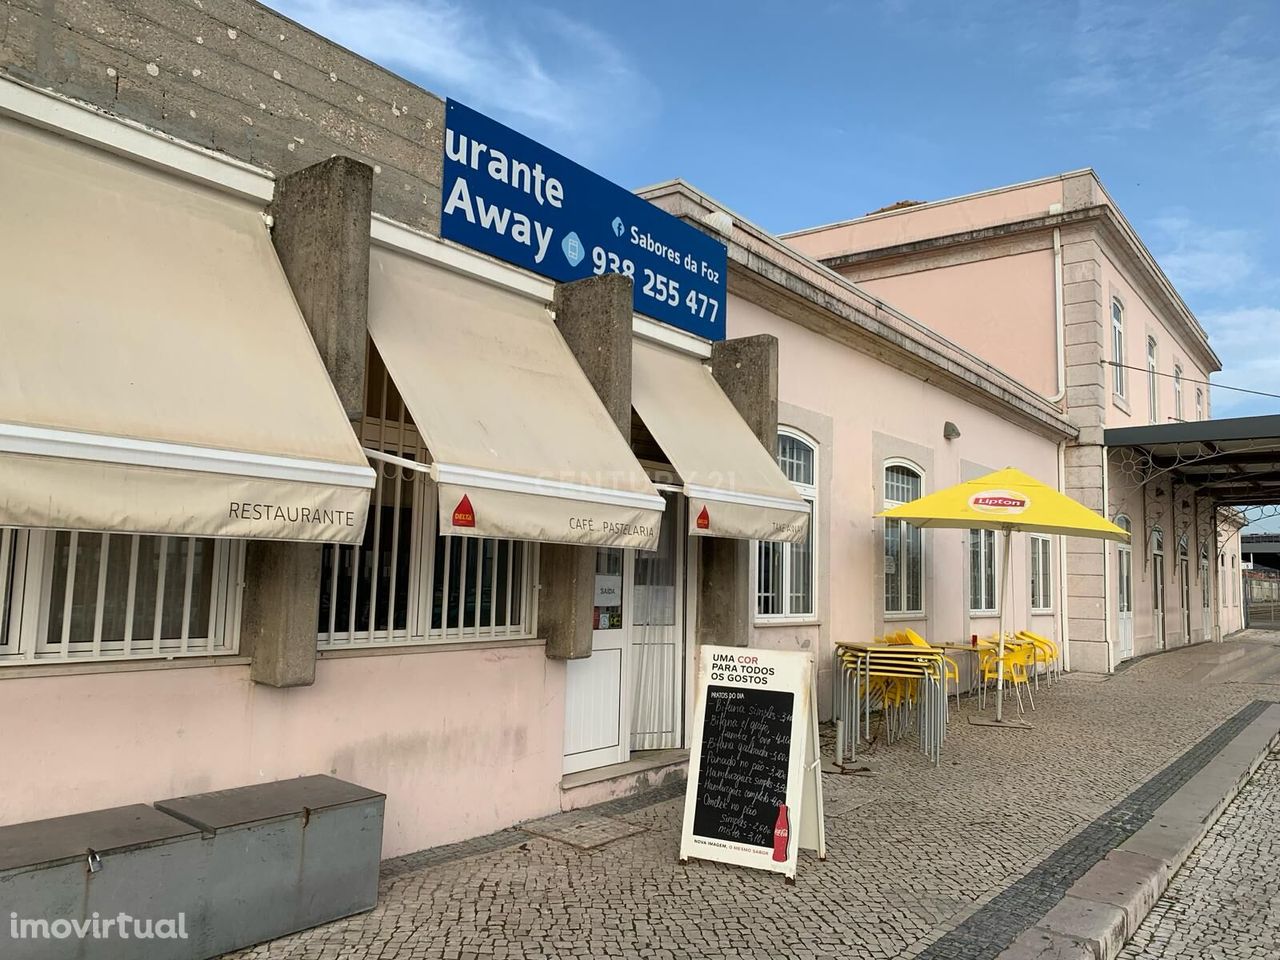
(745, 759)
(755, 788)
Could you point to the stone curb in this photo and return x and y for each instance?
(1102, 910)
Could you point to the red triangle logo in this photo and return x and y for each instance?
(463, 515)
(704, 520)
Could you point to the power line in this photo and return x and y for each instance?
(1204, 383)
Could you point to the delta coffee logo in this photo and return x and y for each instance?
(999, 501)
(463, 515)
(704, 520)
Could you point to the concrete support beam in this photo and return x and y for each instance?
(280, 612)
(747, 371)
(321, 234)
(594, 317)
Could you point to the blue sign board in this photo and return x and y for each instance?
(514, 199)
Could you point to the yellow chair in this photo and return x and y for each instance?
(1015, 660)
(1050, 653)
(951, 670)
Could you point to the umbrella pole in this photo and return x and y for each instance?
(1004, 599)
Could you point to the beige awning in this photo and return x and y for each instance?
(521, 446)
(735, 487)
(155, 373)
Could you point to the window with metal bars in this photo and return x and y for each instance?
(405, 584)
(785, 573)
(75, 595)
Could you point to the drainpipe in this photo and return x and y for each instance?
(1064, 620)
(1106, 564)
(1059, 318)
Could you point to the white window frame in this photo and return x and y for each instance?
(1124, 603)
(1199, 403)
(1041, 573)
(905, 613)
(1153, 385)
(1177, 392)
(27, 601)
(987, 551)
(390, 429)
(809, 493)
(1119, 375)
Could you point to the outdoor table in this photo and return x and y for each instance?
(856, 663)
(974, 674)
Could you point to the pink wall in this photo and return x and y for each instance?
(863, 396)
(933, 220)
(1140, 321)
(462, 742)
(1002, 310)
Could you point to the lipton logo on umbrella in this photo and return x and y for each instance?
(999, 501)
(463, 515)
(704, 520)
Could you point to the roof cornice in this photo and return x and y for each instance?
(1115, 230)
(766, 271)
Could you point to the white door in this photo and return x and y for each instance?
(597, 709)
(1184, 576)
(1157, 580)
(657, 637)
(1124, 593)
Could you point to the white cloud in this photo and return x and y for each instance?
(1200, 259)
(1135, 63)
(1244, 338)
(552, 74)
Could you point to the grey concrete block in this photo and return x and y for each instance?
(1040, 944)
(747, 370)
(594, 317)
(321, 234)
(566, 599)
(1100, 925)
(724, 591)
(1126, 880)
(1166, 840)
(280, 611)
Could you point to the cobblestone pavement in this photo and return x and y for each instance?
(1225, 901)
(944, 862)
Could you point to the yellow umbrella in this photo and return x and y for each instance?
(1006, 500)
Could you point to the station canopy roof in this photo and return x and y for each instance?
(1234, 462)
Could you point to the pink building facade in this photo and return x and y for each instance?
(483, 681)
(1048, 281)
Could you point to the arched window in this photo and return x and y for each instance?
(1157, 541)
(1199, 404)
(1118, 377)
(1177, 391)
(785, 572)
(1153, 389)
(903, 542)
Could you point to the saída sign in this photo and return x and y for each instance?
(507, 196)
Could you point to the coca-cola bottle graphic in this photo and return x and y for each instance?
(781, 834)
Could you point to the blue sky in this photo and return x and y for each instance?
(794, 114)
